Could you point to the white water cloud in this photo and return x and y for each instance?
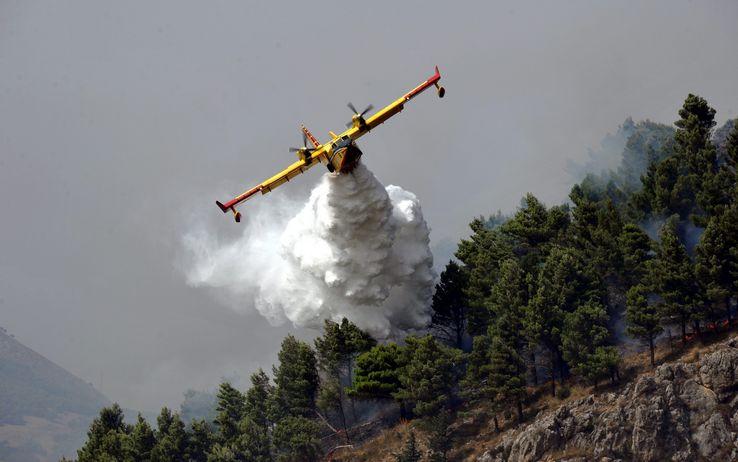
(356, 249)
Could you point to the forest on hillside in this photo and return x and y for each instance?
(528, 301)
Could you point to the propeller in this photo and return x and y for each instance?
(304, 147)
(357, 113)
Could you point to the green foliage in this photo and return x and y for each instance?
(637, 249)
(171, 438)
(585, 342)
(142, 440)
(644, 319)
(410, 452)
(449, 306)
(198, 405)
(223, 453)
(230, 412)
(644, 146)
(378, 372)
(731, 146)
(296, 439)
(108, 438)
(509, 299)
(594, 231)
(200, 439)
(253, 443)
(506, 373)
(339, 345)
(481, 255)
(715, 257)
(257, 397)
(672, 274)
(474, 385)
(563, 284)
(440, 442)
(296, 380)
(533, 225)
(429, 378)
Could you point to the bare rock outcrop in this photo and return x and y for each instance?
(681, 412)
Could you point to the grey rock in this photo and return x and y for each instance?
(712, 436)
(680, 412)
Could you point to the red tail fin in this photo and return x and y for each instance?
(310, 136)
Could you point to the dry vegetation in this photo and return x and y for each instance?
(473, 430)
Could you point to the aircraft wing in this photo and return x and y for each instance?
(397, 105)
(268, 185)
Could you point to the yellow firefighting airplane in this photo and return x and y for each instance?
(340, 154)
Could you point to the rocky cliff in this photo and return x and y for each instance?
(683, 411)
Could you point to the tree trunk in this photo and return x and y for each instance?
(650, 347)
(553, 373)
(563, 372)
(533, 368)
(403, 411)
(696, 328)
(343, 413)
(727, 310)
(351, 381)
(520, 411)
(497, 424)
(683, 324)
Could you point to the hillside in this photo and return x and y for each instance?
(684, 410)
(44, 410)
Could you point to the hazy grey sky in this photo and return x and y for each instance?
(122, 122)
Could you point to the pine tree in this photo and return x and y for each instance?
(694, 128)
(585, 342)
(429, 378)
(509, 302)
(507, 373)
(253, 443)
(257, 397)
(637, 249)
(296, 439)
(108, 437)
(410, 453)
(336, 352)
(594, 230)
(714, 262)
(562, 285)
(142, 440)
(296, 381)
(673, 276)
(378, 373)
(644, 319)
(449, 305)
(223, 453)
(731, 147)
(230, 412)
(481, 255)
(474, 385)
(699, 155)
(438, 428)
(200, 439)
(171, 438)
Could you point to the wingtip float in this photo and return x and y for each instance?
(340, 154)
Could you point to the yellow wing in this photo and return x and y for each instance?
(277, 180)
(287, 174)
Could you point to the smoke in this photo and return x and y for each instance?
(356, 249)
